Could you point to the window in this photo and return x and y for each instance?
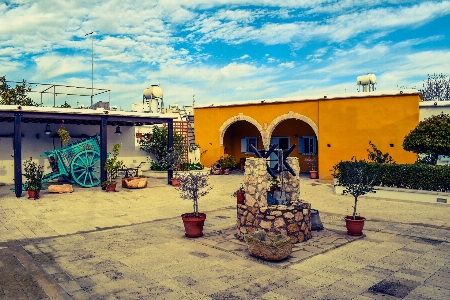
(246, 142)
(307, 145)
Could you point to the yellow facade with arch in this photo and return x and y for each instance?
(342, 126)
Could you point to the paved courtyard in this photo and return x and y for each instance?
(130, 245)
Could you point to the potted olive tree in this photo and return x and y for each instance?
(112, 166)
(33, 174)
(193, 185)
(173, 160)
(312, 162)
(358, 178)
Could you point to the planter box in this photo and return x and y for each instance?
(134, 182)
(404, 194)
(163, 174)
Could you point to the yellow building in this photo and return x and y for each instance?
(332, 128)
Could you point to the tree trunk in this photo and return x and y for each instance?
(354, 208)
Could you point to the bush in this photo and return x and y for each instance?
(156, 144)
(408, 176)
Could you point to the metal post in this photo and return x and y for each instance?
(103, 145)
(17, 154)
(170, 147)
(92, 87)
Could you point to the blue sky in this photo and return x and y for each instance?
(223, 50)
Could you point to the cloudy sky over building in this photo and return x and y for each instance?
(224, 50)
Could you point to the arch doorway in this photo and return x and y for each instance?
(294, 131)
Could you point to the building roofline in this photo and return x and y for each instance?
(314, 98)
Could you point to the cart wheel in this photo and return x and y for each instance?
(85, 168)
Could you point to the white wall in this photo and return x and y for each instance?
(34, 147)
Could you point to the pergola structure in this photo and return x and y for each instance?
(100, 117)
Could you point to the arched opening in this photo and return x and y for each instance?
(237, 138)
(295, 131)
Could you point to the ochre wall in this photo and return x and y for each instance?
(345, 127)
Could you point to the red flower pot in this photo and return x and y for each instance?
(240, 197)
(193, 225)
(354, 227)
(313, 174)
(111, 188)
(33, 195)
(175, 181)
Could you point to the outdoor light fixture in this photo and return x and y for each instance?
(118, 132)
(47, 129)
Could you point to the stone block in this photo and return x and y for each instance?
(265, 225)
(279, 222)
(276, 213)
(293, 228)
(250, 218)
(60, 188)
(288, 215)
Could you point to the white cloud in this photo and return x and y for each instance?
(51, 66)
(288, 65)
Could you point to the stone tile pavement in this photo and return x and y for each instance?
(131, 245)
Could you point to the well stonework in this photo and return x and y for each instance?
(255, 214)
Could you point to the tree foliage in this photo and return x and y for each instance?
(156, 144)
(357, 177)
(436, 88)
(376, 155)
(16, 95)
(194, 185)
(431, 136)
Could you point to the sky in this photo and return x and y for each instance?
(217, 51)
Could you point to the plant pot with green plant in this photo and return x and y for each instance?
(240, 195)
(358, 179)
(193, 185)
(63, 135)
(112, 166)
(33, 174)
(274, 185)
(173, 160)
(227, 163)
(312, 162)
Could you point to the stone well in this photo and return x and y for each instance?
(292, 220)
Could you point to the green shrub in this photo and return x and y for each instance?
(408, 176)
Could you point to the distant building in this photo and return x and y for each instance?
(331, 127)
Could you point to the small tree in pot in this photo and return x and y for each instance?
(34, 174)
(194, 185)
(358, 179)
(112, 166)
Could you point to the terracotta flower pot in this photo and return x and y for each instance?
(33, 195)
(226, 171)
(175, 181)
(354, 227)
(111, 188)
(240, 197)
(193, 225)
(313, 174)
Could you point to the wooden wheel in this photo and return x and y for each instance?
(85, 168)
